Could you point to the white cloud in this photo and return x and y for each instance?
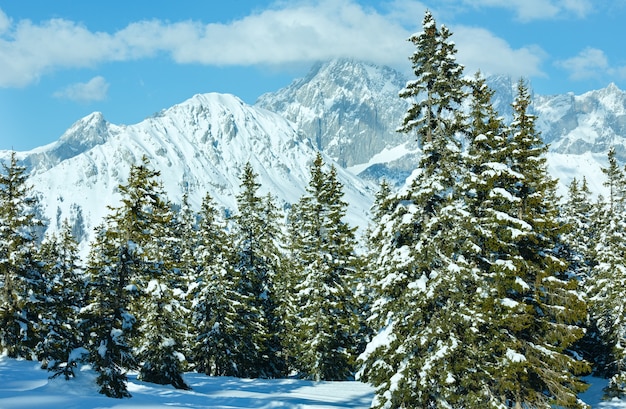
(286, 33)
(304, 32)
(479, 49)
(527, 10)
(5, 22)
(591, 63)
(32, 50)
(93, 90)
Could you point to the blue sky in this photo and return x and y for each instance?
(64, 59)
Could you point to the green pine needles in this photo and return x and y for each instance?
(474, 306)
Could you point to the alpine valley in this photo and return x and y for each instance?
(346, 109)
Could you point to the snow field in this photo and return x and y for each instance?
(24, 385)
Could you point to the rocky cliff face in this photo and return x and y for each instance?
(349, 109)
(592, 122)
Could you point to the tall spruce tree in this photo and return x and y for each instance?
(146, 220)
(583, 220)
(424, 282)
(607, 282)
(64, 298)
(132, 262)
(578, 216)
(185, 242)
(323, 251)
(256, 262)
(475, 305)
(214, 297)
(21, 280)
(271, 247)
(106, 322)
(539, 308)
(530, 302)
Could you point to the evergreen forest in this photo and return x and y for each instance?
(474, 286)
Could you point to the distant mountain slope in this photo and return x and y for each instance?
(348, 108)
(200, 145)
(592, 122)
(351, 109)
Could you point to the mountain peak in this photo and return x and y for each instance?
(346, 107)
(612, 87)
(92, 125)
(214, 98)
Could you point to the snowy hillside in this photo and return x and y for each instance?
(200, 146)
(23, 385)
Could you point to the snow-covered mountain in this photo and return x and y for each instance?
(347, 108)
(591, 122)
(351, 110)
(200, 146)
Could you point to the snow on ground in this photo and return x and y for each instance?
(23, 385)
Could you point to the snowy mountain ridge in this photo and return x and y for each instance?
(357, 124)
(348, 109)
(199, 146)
(591, 122)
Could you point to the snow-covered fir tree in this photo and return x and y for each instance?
(256, 261)
(582, 220)
(64, 297)
(579, 215)
(146, 221)
(325, 263)
(136, 314)
(214, 299)
(21, 280)
(424, 283)
(553, 308)
(106, 322)
(271, 242)
(186, 266)
(476, 308)
(607, 281)
(530, 302)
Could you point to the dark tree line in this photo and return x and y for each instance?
(163, 291)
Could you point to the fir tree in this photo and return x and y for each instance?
(275, 264)
(578, 214)
(21, 279)
(256, 261)
(476, 307)
(186, 267)
(64, 298)
(542, 311)
(146, 221)
(133, 262)
(582, 222)
(424, 283)
(607, 282)
(326, 265)
(214, 298)
(107, 323)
